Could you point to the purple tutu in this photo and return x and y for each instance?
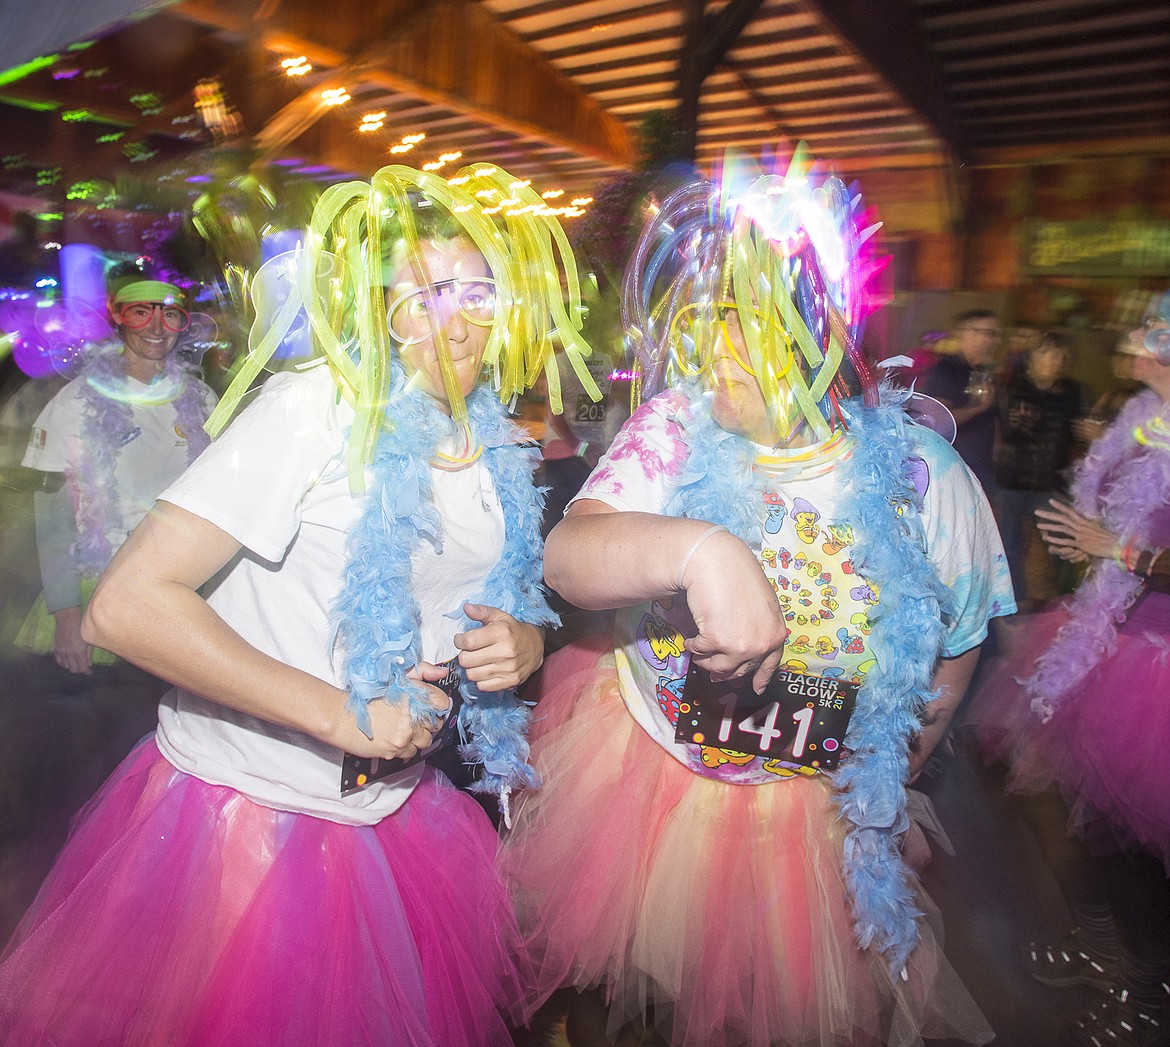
(182, 913)
(1105, 747)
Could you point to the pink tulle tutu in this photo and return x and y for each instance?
(181, 913)
(720, 908)
(1105, 747)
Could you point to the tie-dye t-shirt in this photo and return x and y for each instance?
(804, 547)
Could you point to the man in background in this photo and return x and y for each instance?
(964, 381)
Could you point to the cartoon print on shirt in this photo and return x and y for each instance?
(805, 516)
(860, 672)
(713, 757)
(787, 770)
(777, 510)
(799, 644)
(865, 592)
(658, 641)
(840, 535)
(851, 643)
(919, 474)
(670, 697)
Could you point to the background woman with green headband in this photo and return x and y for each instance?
(123, 429)
(778, 551)
(374, 537)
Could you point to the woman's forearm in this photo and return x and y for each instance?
(598, 559)
(56, 526)
(952, 676)
(147, 610)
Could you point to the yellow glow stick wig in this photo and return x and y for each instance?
(360, 231)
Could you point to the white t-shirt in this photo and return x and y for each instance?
(277, 481)
(804, 548)
(153, 454)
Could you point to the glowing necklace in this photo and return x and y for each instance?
(824, 454)
(450, 463)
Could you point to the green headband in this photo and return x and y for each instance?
(148, 291)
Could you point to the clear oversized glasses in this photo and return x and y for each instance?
(409, 315)
(136, 315)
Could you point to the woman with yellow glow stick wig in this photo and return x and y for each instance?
(778, 552)
(375, 534)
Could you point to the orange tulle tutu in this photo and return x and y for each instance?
(718, 909)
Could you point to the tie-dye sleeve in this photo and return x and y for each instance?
(636, 473)
(964, 545)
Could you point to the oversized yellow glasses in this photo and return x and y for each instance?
(692, 336)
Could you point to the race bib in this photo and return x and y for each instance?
(798, 719)
(360, 771)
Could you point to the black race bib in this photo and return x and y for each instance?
(798, 719)
(360, 771)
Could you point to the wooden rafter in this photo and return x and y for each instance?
(449, 52)
(886, 34)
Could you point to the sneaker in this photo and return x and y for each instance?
(1120, 1021)
(1068, 964)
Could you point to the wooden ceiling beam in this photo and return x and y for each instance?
(950, 16)
(886, 35)
(1122, 74)
(1156, 145)
(453, 53)
(709, 35)
(633, 14)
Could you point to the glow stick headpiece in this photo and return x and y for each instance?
(791, 253)
(335, 287)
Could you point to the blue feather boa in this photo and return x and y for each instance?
(720, 485)
(376, 617)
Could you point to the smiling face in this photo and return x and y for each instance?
(149, 332)
(463, 309)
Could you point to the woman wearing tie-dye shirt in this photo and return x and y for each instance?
(715, 834)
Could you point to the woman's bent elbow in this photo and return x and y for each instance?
(102, 626)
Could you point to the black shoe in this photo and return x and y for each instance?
(1120, 1021)
(1068, 964)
